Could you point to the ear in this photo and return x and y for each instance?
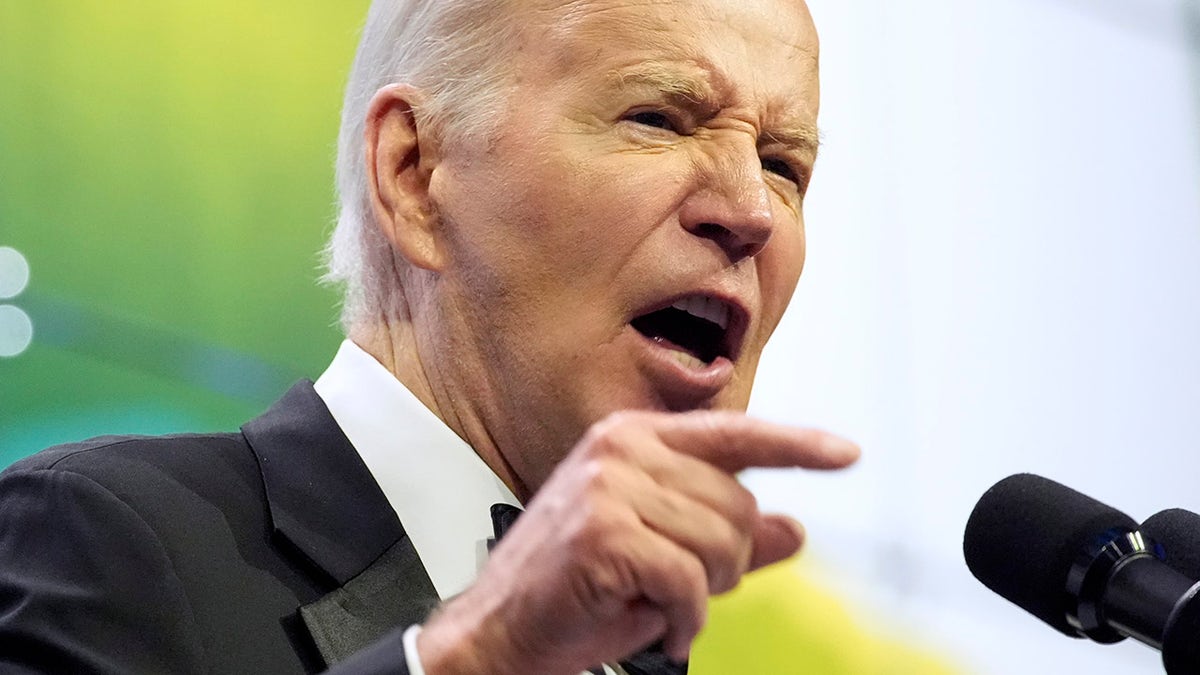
(400, 159)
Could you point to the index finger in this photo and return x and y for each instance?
(733, 442)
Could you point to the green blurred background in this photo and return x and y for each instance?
(166, 170)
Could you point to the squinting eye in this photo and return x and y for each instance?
(781, 169)
(651, 118)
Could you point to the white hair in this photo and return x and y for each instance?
(458, 53)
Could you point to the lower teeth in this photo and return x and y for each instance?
(689, 361)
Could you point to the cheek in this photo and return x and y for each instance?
(595, 213)
(779, 268)
(494, 227)
(527, 238)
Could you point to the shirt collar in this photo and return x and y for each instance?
(440, 489)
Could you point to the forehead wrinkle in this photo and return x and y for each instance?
(690, 76)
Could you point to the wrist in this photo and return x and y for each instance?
(456, 642)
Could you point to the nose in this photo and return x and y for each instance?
(731, 207)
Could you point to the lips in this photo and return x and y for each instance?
(700, 327)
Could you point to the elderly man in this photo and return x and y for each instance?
(567, 231)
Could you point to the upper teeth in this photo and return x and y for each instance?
(706, 308)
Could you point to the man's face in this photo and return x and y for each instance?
(631, 234)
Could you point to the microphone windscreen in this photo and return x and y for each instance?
(1025, 535)
(1178, 532)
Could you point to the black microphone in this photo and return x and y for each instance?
(1082, 567)
(1179, 533)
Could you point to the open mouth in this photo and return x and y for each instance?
(697, 325)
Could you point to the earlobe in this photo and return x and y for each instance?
(400, 158)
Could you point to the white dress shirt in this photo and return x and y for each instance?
(440, 489)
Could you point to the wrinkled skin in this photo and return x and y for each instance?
(624, 544)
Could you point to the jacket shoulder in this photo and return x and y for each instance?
(128, 457)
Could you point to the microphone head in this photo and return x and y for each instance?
(1026, 535)
(1178, 532)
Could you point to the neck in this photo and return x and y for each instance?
(394, 344)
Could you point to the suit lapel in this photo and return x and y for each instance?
(324, 502)
(393, 592)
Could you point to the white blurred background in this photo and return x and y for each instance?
(1003, 276)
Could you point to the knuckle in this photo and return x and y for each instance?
(726, 562)
(744, 507)
(596, 522)
(597, 586)
(594, 477)
(612, 445)
(707, 420)
(735, 543)
(682, 578)
(607, 439)
(723, 422)
(692, 596)
(693, 579)
(723, 430)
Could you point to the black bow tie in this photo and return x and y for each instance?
(651, 661)
(504, 516)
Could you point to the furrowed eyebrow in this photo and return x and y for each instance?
(667, 80)
(800, 136)
(698, 89)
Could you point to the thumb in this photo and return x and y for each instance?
(776, 538)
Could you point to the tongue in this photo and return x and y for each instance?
(680, 331)
(664, 342)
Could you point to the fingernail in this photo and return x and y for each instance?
(847, 447)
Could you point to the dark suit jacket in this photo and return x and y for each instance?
(272, 550)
